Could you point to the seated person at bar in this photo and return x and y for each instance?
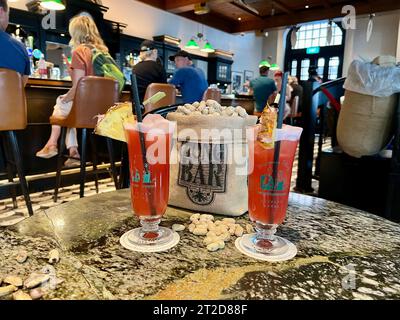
(297, 91)
(191, 80)
(84, 37)
(13, 54)
(148, 71)
(262, 88)
(278, 77)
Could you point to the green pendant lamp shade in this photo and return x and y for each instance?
(264, 63)
(275, 67)
(53, 4)
(192, 44)
(208, 48)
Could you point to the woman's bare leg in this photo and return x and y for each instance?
(55, 135)
(73, 152)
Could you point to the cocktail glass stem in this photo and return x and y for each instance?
(150, 228)
(265, 238)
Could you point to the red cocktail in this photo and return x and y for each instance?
(269, 194)
(149, 146)
(270, 172)
(149, 186)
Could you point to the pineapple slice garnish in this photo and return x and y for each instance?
(269, 120)
(112, 125)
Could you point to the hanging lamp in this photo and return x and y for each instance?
(264, 63)
(275, 67)
(53, 5)
(208, 48)
(192, 44)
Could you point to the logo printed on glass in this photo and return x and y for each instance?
(145, 177)
(269, 184)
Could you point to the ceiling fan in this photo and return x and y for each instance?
(246, 4)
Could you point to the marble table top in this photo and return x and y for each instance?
(344, 253)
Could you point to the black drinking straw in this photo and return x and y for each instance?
(139, 118)
(277, 150)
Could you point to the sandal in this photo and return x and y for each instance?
(47, 152)
(73, 161)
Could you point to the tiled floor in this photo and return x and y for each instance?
(315, 184)
(44, 200)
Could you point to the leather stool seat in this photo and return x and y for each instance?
(93, 96)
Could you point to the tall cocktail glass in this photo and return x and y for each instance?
(149, 146)
(270, 172)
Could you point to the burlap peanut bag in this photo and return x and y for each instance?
(365, 123)
(209, 164)
(366, 120)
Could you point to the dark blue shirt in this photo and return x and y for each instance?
(192, 83)
(13, 55)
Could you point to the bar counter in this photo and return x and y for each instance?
(344, 253)
(41, 96)
(245, 101)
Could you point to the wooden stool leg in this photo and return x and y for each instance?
(83, 163)
(21, 175)
(60, 162)
(10, 174)
(112, 162)
(94, 160)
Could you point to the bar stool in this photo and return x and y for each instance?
(153, 88)
(93, 96)
(13, 115)
(212, 94)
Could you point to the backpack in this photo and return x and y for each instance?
(105, 66)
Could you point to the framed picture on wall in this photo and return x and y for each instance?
(237, 81)
(248, 75)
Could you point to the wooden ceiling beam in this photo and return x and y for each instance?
(279, 5)
(316, 14)
(245, 9)
(155, 3)
(327, 4)
(180, 6)
(213, 20)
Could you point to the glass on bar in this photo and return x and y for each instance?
(149, 147)
(270, 172)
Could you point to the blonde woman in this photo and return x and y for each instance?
(84, 37)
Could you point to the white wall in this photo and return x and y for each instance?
(384, 39)
(18, 5)
(274, 46)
